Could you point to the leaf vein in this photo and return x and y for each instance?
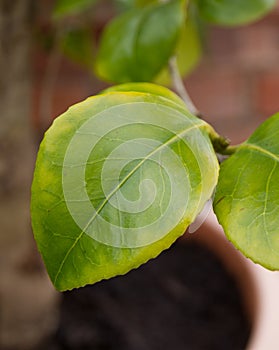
(180, 135)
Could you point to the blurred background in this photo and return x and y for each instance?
(235, 86)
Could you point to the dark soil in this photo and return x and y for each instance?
(183, 300)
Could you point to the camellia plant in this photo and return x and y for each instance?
(120, 176)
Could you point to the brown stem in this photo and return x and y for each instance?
(179, 86)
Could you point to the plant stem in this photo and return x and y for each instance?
(179, 86)
(230, 150)
(220, 144)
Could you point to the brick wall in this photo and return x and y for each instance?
(236, 86)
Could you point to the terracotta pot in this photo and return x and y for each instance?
(258, 286)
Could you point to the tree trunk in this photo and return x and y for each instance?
(25, 293)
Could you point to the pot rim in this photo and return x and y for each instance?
(259, 287)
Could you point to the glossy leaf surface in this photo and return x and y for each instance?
(137, 45)
(234, 12)
(118, 179)
(247, 196)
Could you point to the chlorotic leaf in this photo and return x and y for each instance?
(118, 179)
(148, 88)
(234, 12)
(247, 196)
(138, 44)
(64, 8)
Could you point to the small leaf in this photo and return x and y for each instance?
(137, 45)
(234, 12)
(64, 8)
(118, 179)
(77, 44)
(247, 196)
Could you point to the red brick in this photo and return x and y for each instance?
(221, 43)
(258, 46)
(66, 94)
(218, 93)
(237, 130)
(267, 93)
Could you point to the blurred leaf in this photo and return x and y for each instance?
(130, 4)
(118, 179)
(137, 45)
(77, 44)
(234, 12)
(125, 5)
(188, 52)
(247, 196)
(64, 8)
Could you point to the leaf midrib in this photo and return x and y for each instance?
(260, 149)
(122, 182)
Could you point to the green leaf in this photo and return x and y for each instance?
(188, 52)
(64, 8)
(247, 196)
(147, 88)
(129, 4)
(138, 44)
(234, 12)
(118, 179)
(77, 44)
